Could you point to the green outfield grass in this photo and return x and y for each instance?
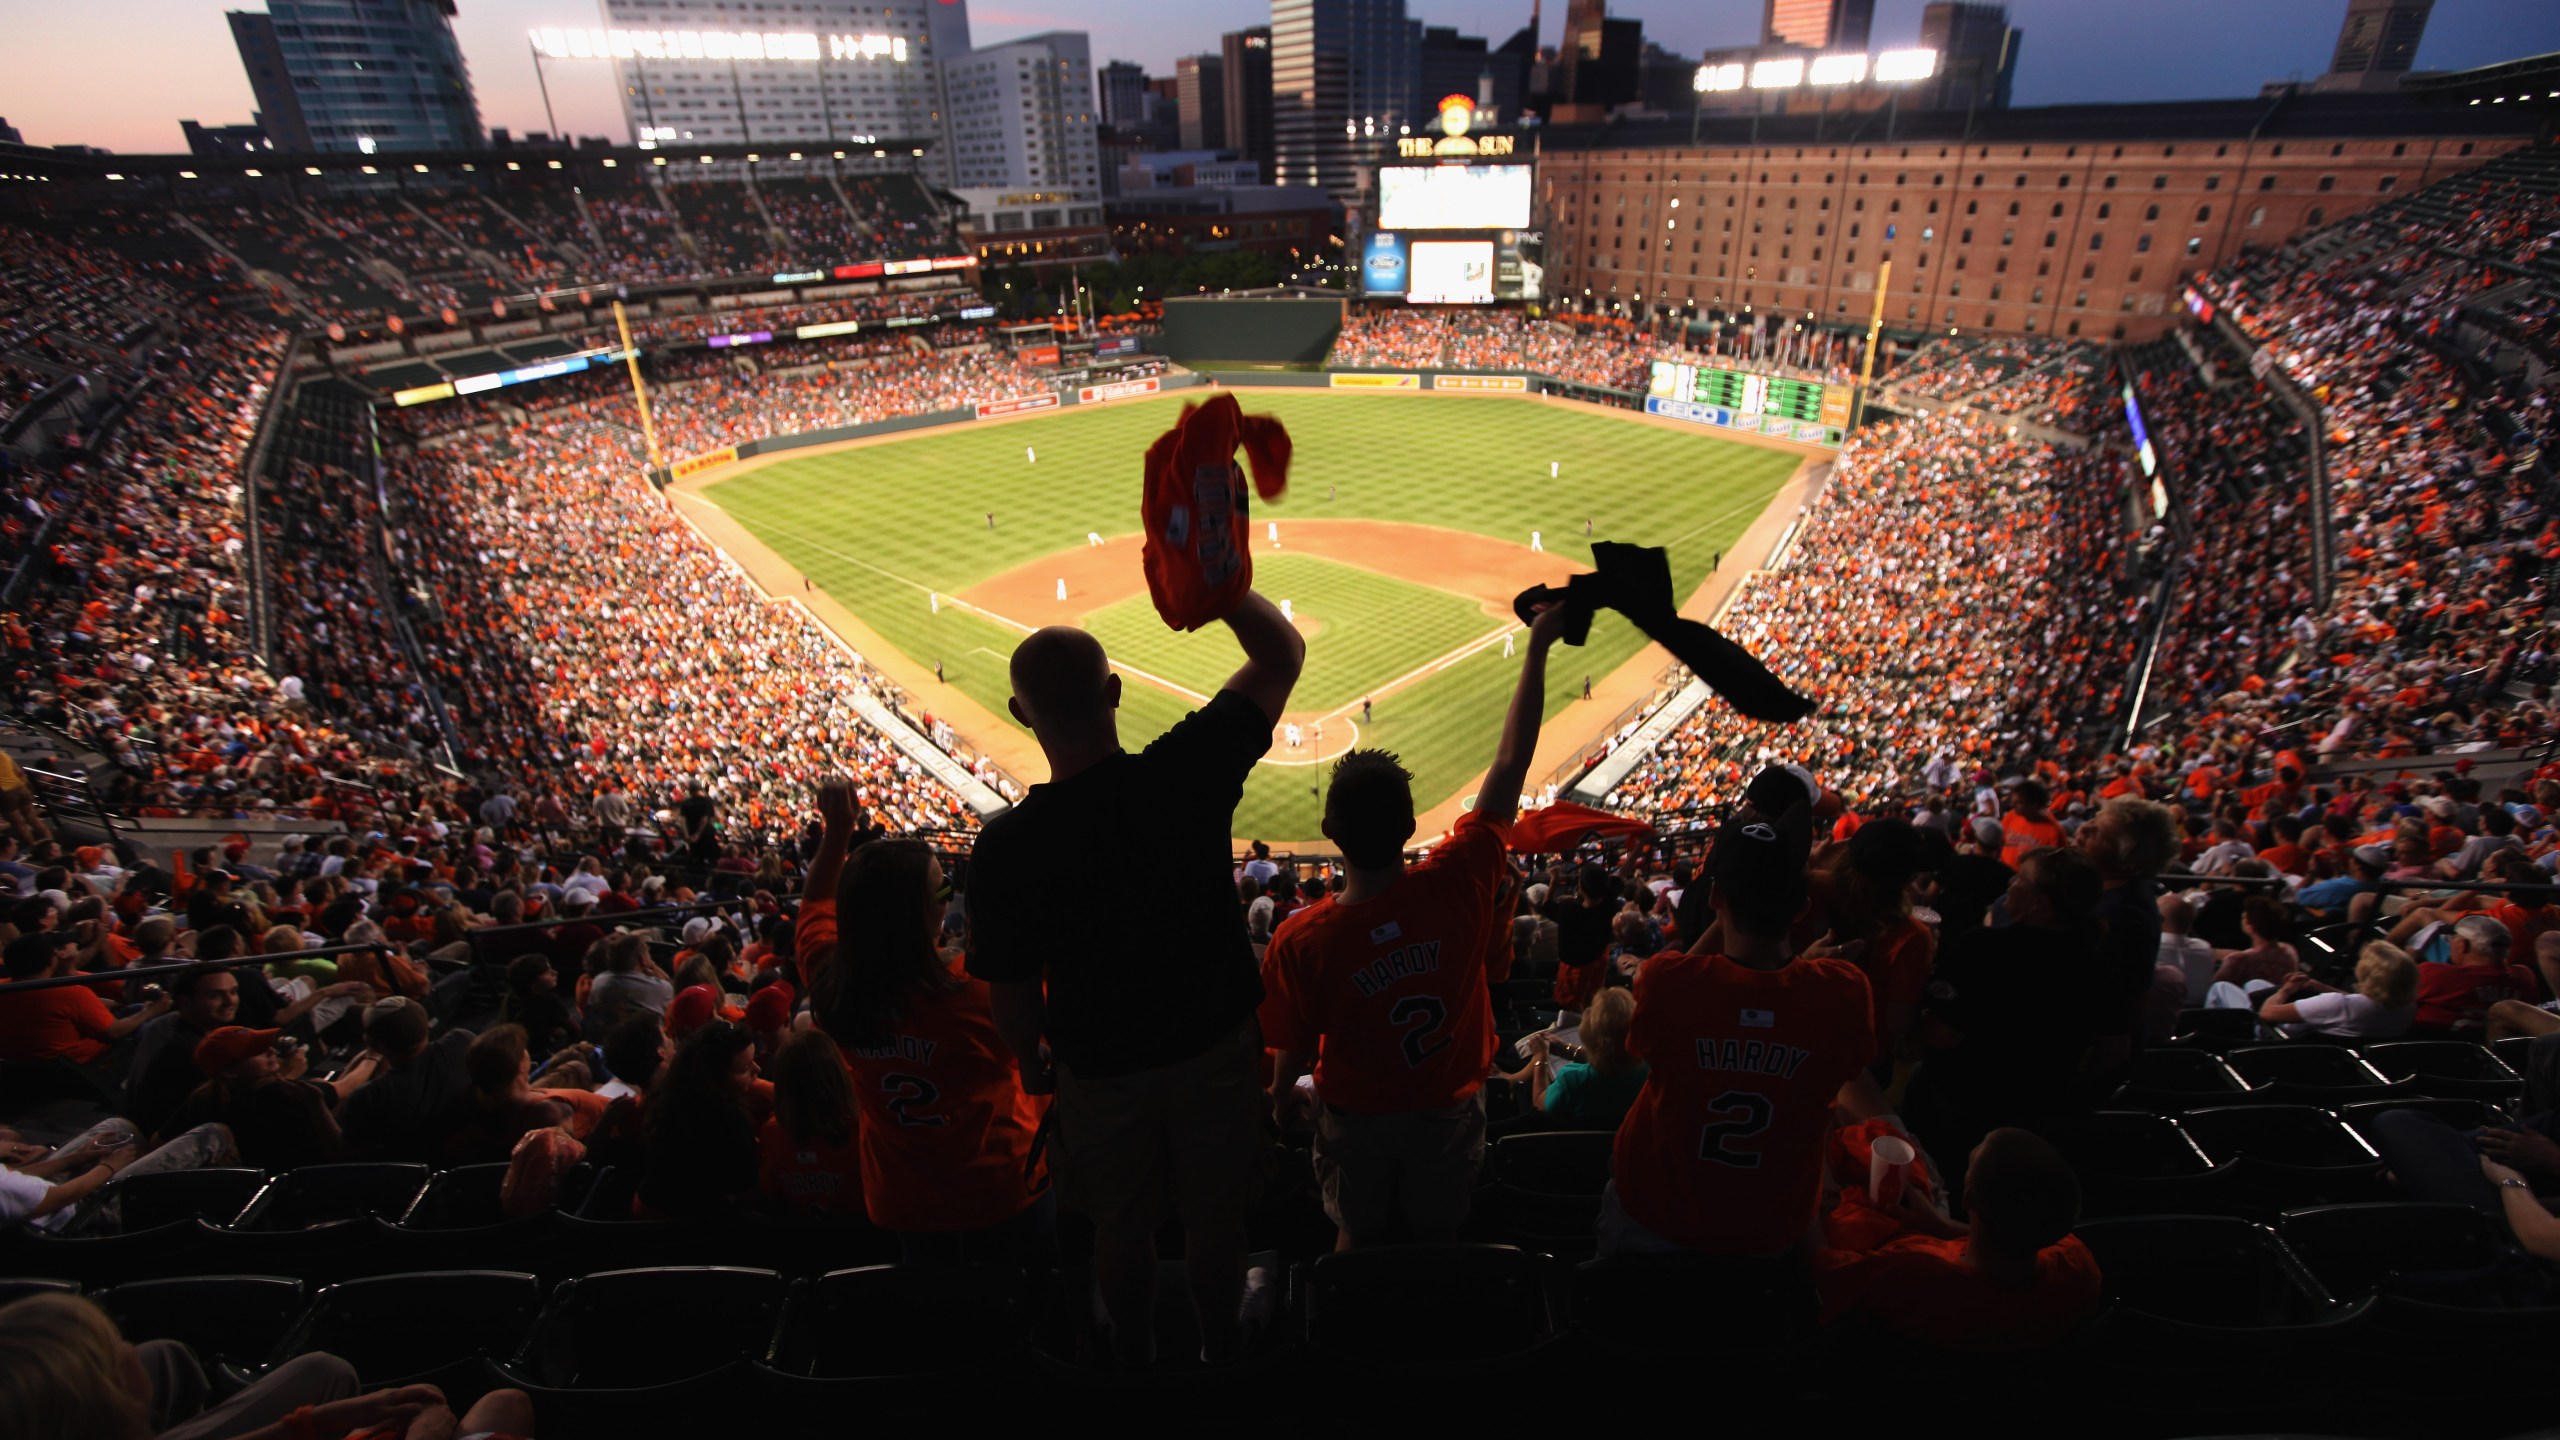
(883, 526)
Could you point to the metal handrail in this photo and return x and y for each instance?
(180, 967)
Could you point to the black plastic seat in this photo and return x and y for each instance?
(2516, 1051)
(396, 1329)
(20, 1287)
(2171, 1080)
(2216, 1030)
(2447, 1069)
(898, 1320)
(1546, 1188)
(2208, 1270)
(2294, 1073)
(2133, 1162)
(318, 1195)
(2352, 1249)
(1690, 1304)
(2460, 1114)
(101, 1260)
(636, 1329)
(215, 1196)
(224, 1319)
(1425, 1304)
(2288, 1156)
(463, 1198)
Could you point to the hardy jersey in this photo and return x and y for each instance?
(1723, 1150)
(1390, 992)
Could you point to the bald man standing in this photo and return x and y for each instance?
(1137, 1002)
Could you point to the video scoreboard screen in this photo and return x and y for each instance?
(1780, 405)
(1453, 197)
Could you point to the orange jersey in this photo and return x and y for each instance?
(1723, 1150)
(1390, 993)
(818, 1177)
(946, 1130)
(1919, 1287)
(2022, 835)
(1896, 964)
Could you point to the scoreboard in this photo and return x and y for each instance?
(1780, 405)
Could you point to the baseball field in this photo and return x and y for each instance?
(1406, 529)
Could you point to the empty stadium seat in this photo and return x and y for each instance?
(2216, 1030)
(225, 1319)
(1693, 1304)
(2133, 1162)
(2353, 1249)
(632, 1329)
(2294, 1073)
(215, 1196)
(99, 1260)
(1400, 1306)
(2452, 1069)
(2460, 1114)
(896, 1320)
(2173, 1080)
(462, 1198)
(2288, 1156)
(1545, 1190)
(19, 1288)
(2516, 1052)
(398, 1329)
(2204, 1270)
(318, 1195)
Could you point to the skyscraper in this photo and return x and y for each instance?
(879, 74)
(1022, 114)
(2377, 43)
(1124, 94)
(1818, 24)
(1200, 89)
(1248, 74)
(1977, 54)
(1345, 76)
(1600, 64)
(358, 75)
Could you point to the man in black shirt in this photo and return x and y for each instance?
(408, 1110)
(164, 1071)
(1148, 1012)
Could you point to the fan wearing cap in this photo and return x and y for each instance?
(1748, 1046)
(278, 1119)
(2330, 899)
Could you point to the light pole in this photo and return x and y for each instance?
(538, 78)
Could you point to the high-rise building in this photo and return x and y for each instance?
(1817, 24)
(1600, 65)
(1022, 115)
(224, 142)
(878, 75)
(2377, 43)
(1200, 92)
(1345, 75)
(1248, 74)
(1977, 55)
(1452, 64)
(1124, 94)
(279, 111)
(359, 75)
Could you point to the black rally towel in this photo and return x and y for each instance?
(1635, 581)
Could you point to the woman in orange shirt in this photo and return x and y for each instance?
(808, 1162)
(947, 1132)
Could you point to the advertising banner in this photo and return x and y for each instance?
(1510, 384)
(1118, 390)
(1374, 382)
(1016, 405)
(705, 461)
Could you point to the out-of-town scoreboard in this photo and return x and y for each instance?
(1780, 405)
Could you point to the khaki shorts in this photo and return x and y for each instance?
(1184, 1140)
(1421, 1164)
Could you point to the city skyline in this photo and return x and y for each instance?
(175, 60)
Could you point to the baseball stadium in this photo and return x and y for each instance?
(960, 736)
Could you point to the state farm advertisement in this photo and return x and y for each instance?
(1117, 390)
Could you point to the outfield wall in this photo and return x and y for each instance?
(1274, 331)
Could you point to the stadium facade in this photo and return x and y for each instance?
(2066, 220)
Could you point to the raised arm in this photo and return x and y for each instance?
(1498, 799)
(840, 816)
(1274, 653)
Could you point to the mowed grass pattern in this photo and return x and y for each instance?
(881, 526)
(1372, 629)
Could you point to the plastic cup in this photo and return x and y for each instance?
(1889, 1169)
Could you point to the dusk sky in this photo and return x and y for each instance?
(123, 73)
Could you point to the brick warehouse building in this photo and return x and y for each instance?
(2073, 220)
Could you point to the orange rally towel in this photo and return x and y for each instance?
(1198, 518)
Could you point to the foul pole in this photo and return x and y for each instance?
(639, 391)
(1866, 371)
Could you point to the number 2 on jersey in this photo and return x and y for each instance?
(912, 1090)
(1754, 1118)
(1423, 1017)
